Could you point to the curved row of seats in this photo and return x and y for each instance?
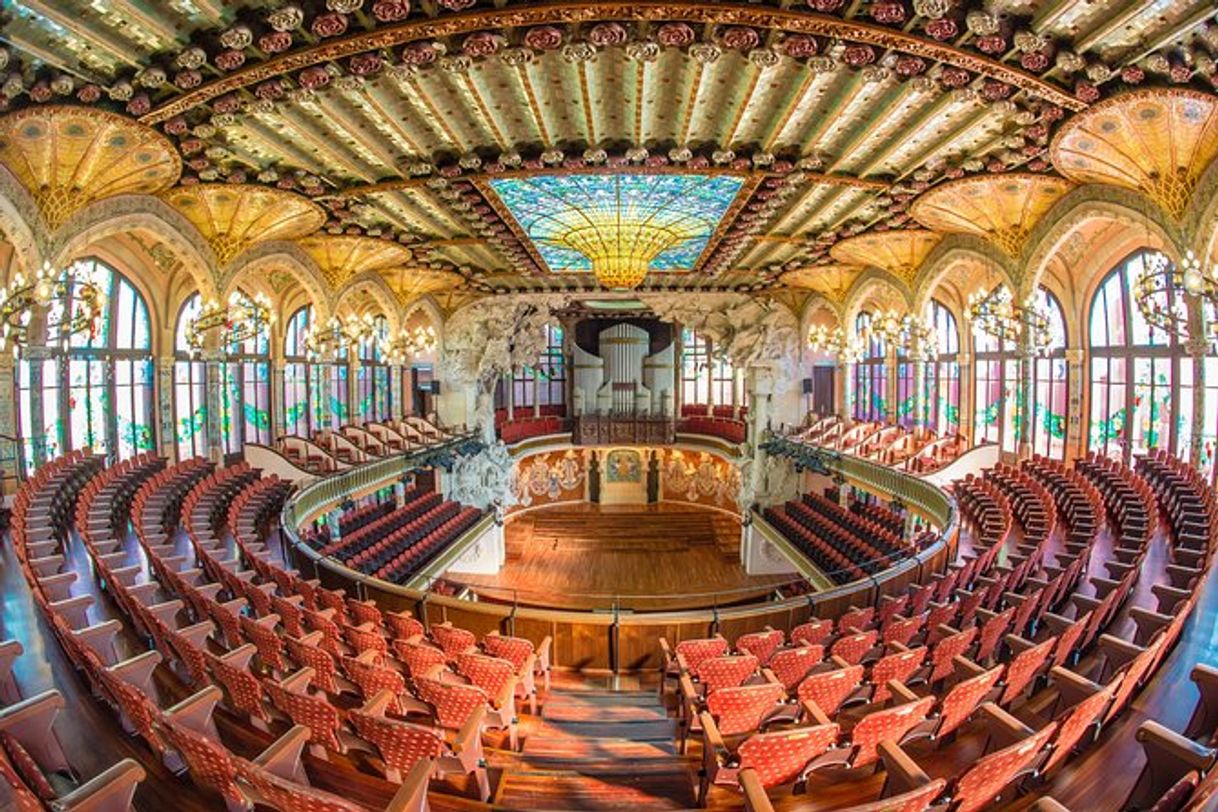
(274, 649)
(986, 639)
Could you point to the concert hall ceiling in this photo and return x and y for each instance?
(802, 130)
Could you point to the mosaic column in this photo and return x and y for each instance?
(397, 396)
(10, 455)
(1074, 406)
(213, 374)
(164, 407)
(1197, 349)
(919, 395)
(323, 411)
(967, 418)
(278, 369)
(355, 413)
(1025, 403)
(891, 402)
(38, 436)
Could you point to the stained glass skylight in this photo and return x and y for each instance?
(582, 223)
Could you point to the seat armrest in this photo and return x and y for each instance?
(755, 797)
(1072, 687)
(197, 712)
(412, 795)
(110, 791)
(818, 716)
(902, 773)
(282, 756)
(1205, 715)
(31, 722)
(1004, 728)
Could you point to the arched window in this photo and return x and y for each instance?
(707, 377)
(91, 390)
(997, 376)
(546, 379)
(870, 375)
(905, 388)
(245, 392)
(298, 393)
(943, 372)
(1051, 384)
(373, 378)
(1136, 372)
(189, 387)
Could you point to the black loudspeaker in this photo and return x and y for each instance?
(807, 386)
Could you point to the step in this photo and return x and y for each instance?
(542, 790)
(553, 748)
(657, 731)
(601, 712)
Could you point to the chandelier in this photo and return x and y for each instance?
(410, 343)
(338, 335)
(621, 250)
(846, 347)
(911, 336)
(241, 319)
(996, 314)
(73, 306)
(1159, 276)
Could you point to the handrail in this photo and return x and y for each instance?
(923, 498)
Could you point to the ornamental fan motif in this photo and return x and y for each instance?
(1157, 141)
(410, 283)
(899, 252)
(69, 157)
(1000, 208)
(832, 281)
(341, 257)
(235, 217)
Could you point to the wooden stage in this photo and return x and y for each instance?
(581, 556)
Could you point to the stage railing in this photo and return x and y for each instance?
(614, 638)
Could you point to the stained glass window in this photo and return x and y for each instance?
(942, 403)
(706, 377)
(547, 377)
(91, 390)
(1136, 372)
(996, 379)
(871, 375)
(573, 219)
(245, 392)
(372, 380)
(189, 388)
(1051, 384)
(297, 389)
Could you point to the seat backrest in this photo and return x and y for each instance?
(452, 703)
(829, 689)
(726, 672)
(761, 645)
(946, 650)
(452, 640)
(488, 673)
(916, 800)
(887, 725)
(314, 712)
(419, 658)
(288, 796)
(401, 744)
(781, 756)
(372, 678)
(986, 779)
(693, 652)
(963, 698)
(741, 709)
(243, 688)
(1134, 673)
(812, 633)
(320, 660)
(515, 650)
(853, 647)
(1075, 722)
(790, 665)
(403, 627)
(1023, 667)
(899, 665)
(209, 762)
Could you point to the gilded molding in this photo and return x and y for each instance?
(607, 10)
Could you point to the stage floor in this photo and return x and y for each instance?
(666, 556)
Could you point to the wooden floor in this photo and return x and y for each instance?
(586, 556)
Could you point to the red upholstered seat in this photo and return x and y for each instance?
(887, 725)
(243, 688)
(726, 672)
(985, 781)
(452, 703)
(854, 647)
(400, 744)
(814, 632)
(210, 763)
(452, 640)
(693, 652)
(313, 711)
(829, 689)
(899, 666)
(419, 658)
(742, 709)
(791, 665)
(402, 626)
(761, 645)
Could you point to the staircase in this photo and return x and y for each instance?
(594, 750)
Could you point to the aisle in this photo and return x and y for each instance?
(594, 750)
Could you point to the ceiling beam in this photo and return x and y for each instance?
(99, 38)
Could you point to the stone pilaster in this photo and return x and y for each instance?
(920, 411)
(213, 374)
(10, 451)
(1076, 380)
(278, 412)
(167, 434)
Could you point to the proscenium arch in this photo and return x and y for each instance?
(289, 257)
(374, 284)
(1154, 228)
(953, 251)
(127, 213)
